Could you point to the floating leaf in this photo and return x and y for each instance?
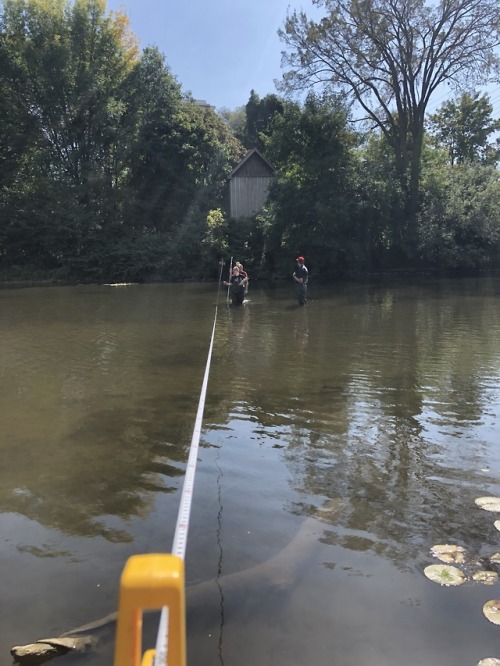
(444, 574)
(491, 610)
(449, 553)
(488, 503)
(497, 524)
(489, 661)
(485, 577)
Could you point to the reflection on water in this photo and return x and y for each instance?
(381, 398)
(80, 410)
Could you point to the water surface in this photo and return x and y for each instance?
(377, 402)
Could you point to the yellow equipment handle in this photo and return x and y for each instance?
(149, 582)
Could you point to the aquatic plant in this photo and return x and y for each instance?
(445, 574)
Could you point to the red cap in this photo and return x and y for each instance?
(301, 259)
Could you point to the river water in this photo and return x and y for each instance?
(340, 442)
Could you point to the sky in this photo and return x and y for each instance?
(219, 50)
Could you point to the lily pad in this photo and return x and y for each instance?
(449, 553)
(444, 574)
(491, 610)
(497, 524)
(488, 503)
(489, 661)
(485, 577)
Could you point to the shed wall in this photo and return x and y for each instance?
(254, 167)
(247, 195)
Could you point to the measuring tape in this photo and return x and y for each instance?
(182, 526)
(183, 517)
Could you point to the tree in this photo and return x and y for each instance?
(260, 114)
(205, 153)
(235, 120)
(379, 200)
(464, 127)
(460, 216)
(312, 204)
(390, 56)
(65, 65)
(156, 176)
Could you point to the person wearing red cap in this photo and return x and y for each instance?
(301, 276)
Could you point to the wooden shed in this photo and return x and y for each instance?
(248, 185)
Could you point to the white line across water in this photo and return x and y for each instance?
(182, 526)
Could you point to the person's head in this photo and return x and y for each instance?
(239, 265)
(300, 260)
(236, 270)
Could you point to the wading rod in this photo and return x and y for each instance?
(229, 278)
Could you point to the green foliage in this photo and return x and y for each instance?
(260, 114)
(65, 65)
(380, 203)
(246, 243)
(109, 172)
(102, 158)
(464, 127)
(390, 58)
(156, 174)
(235, 120)
(459, 226)
(215, 243)
(311, 201)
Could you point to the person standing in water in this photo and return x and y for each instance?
(237, 283)
(244, 273)
(301, 276)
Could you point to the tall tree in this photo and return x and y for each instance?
(464, 127)
(390, 56)
(235, 119)
(156, 168)
(208, 151)
(65, 65)
(260, 114)
(311, 201)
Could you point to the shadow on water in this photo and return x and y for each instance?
(382, 398)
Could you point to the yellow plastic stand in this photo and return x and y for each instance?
(148, 659)
(150, 582)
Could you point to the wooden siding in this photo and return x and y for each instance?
(247, 195)
(254, 167)
(248, 185)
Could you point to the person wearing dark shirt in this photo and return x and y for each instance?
(301, 276)
(237, 285)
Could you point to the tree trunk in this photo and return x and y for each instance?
(413, 195)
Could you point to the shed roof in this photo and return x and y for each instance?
(253, 154)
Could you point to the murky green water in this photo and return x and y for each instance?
(380, 403)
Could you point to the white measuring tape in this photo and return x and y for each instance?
(182, 526)
(181, 529)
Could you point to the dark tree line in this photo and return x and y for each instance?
(108, 171)
(389, 57)
(104, 163)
